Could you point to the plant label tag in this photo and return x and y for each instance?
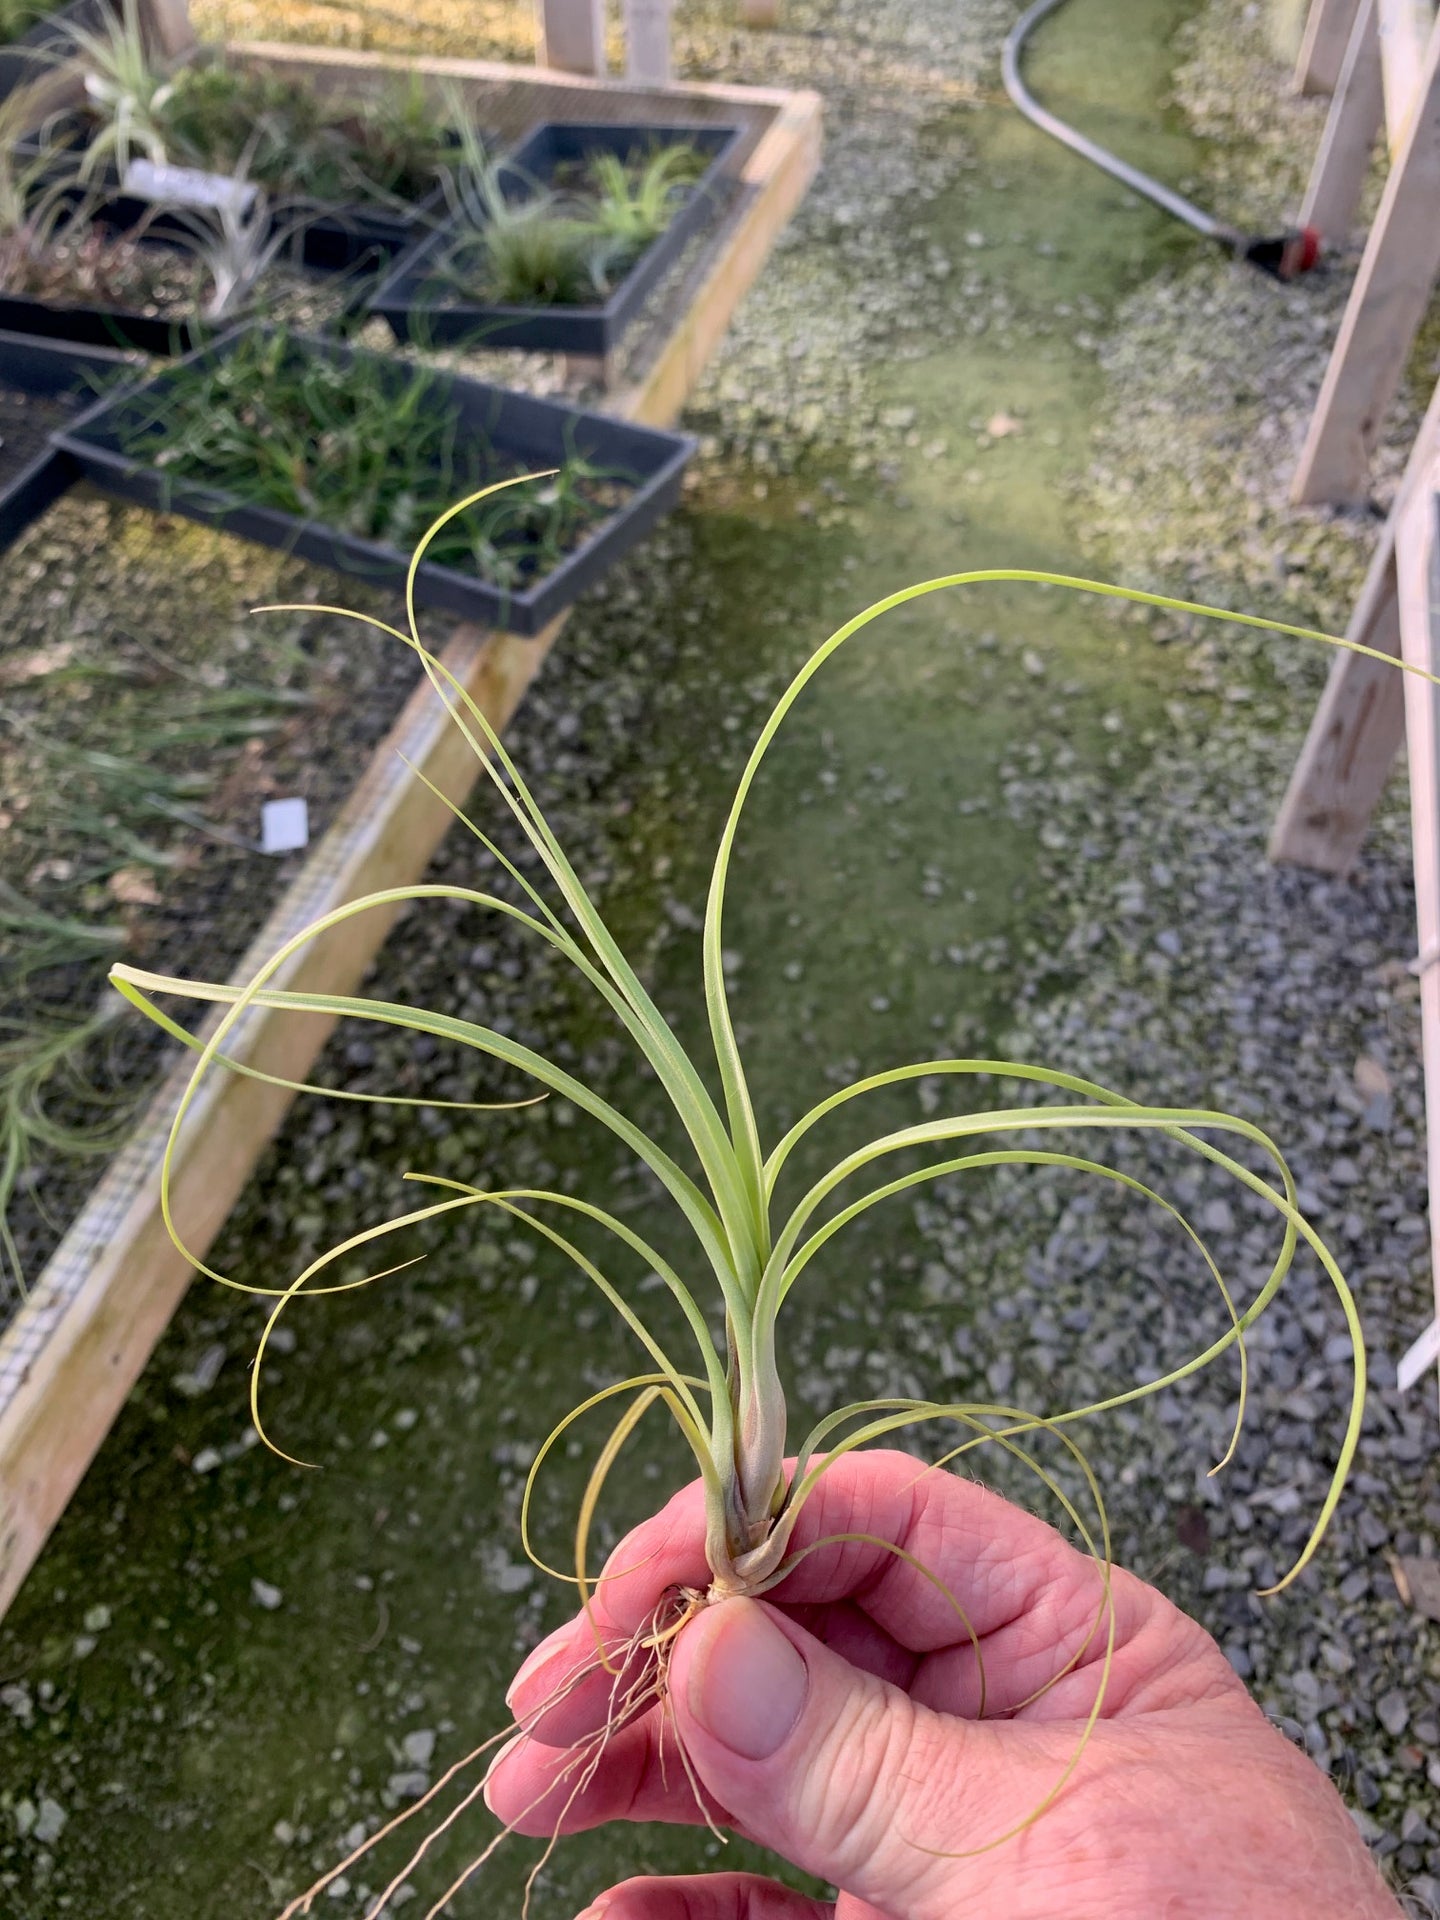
(284, 826)
(188, 187)
(1419, 1357)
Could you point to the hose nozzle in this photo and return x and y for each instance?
(1283, 256)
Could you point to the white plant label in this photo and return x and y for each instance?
(188, 187)
(284, 826)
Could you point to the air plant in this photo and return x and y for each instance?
(54, 247)
(234, 245)
(636, 200)
(530, 253)
(545, 247)
(126, 93)
(54, 243)
(289, 136)
(725, 1396)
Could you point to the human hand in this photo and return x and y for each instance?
(835, 1722)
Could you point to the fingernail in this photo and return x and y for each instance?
(509, 1747)
(537, 1657)
(749, 1684)
(595, 1913)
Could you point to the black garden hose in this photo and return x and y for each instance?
(1283, 255)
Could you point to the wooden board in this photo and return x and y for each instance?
(647, 42)
(170, 26)
(1387, 303)
(570, 35)
(1417, 566)
(1337, 179)
(71, 1355)
(1322, 51)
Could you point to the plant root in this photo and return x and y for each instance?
(638, 1669)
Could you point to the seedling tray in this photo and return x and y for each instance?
(48, 371)
(327, 239)
(536, 433)
(87, 326)
(419, 305)
(47, 43)
(160, 336)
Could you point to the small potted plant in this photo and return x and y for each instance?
(559, 247)
(158, 285)
(344, 456)
(366, 173)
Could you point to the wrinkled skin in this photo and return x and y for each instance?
(836, 1722)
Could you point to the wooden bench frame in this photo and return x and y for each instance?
(570, 35)
(1389, 74)
(1367, 713)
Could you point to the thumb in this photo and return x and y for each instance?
(841, 1773)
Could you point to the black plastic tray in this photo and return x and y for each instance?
(45, 368)
(418, 306)
(544, 432)
(162, 338)
(47, 43)
(100, 327)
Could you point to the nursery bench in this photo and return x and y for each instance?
(79, 1341)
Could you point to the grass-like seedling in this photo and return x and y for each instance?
(364, 451)
(751, 1241)
(42, 1064)
(530, 253)
(105, 805)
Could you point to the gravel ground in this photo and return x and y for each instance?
(1148, 945)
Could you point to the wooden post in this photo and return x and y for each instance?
(571, 35)
(647, 42)
(1404, 29)
(1358, 729)
(1359, 725)
(1337, 179)
(172, 31)
(1417, 564)
(1322, 51)
(1387, 304)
